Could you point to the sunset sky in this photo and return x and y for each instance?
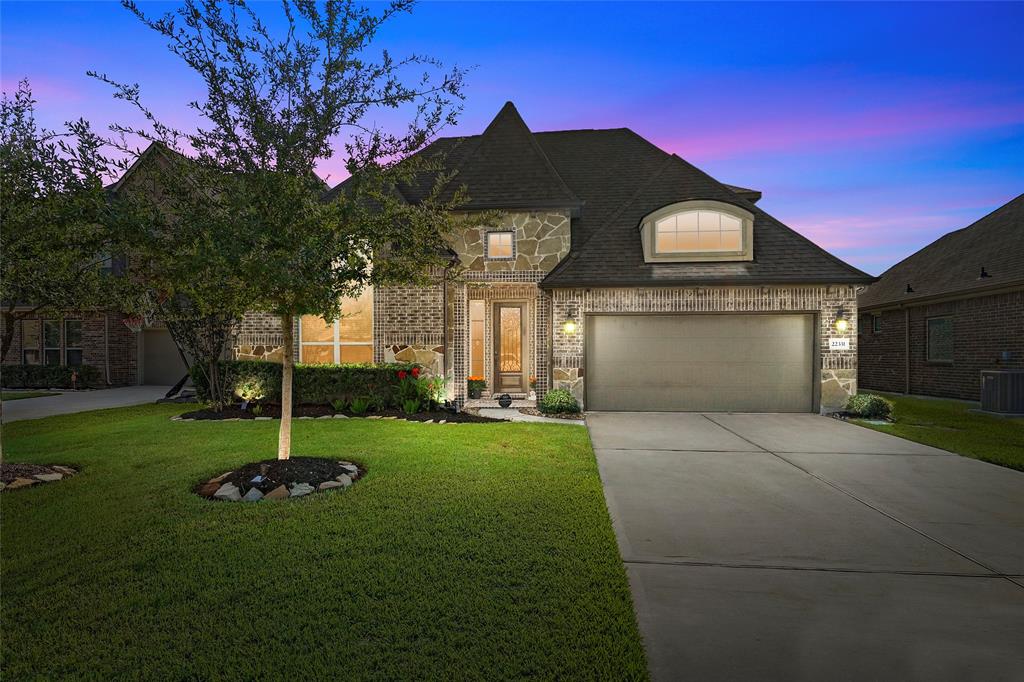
(870, 128)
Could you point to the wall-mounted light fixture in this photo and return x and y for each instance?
(910, 289)
(569, 326)
(841, 324)
(983, 275)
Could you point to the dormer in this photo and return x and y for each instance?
(698, 231)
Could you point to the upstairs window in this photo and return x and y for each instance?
(691, 231)
(699, 230)
(499, 245)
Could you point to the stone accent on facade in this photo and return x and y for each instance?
(985, 330)
(428, 356)
(258, 337)
(407, 316)
(541, 240)
(837, 368)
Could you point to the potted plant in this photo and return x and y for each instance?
(475, 386)
(533, 388)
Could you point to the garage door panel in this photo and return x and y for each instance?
(700, 362)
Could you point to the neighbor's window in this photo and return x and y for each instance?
(347, 340)
(51, 342)
(30, 338)
(940, 339)
(698, 231)
(476, 338)
(876, 324)
(499, 244)
(72, 342)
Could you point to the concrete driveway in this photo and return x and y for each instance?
(798, 547)
(81, 401)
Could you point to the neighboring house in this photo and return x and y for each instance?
(617, 271)
(935, 320)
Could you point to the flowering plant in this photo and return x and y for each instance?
(475, 385)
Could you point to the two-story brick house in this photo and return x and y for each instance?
(617, 271)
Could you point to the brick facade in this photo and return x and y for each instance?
(984, 328)
(106, 344)
(837, 369)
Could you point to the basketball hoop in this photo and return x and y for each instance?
(133, 322)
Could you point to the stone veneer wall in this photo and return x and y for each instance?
(838, 369)
(541, 240)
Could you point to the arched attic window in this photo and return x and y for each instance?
(699, 230)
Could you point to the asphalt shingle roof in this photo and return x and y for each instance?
(952, 263)
(611, 179)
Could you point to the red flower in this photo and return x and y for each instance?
(415, 372)
(401, 375)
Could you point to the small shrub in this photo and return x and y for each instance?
(870, 406)
(559, 401)
(338, 404)
(411, 406)
(311, 384)
(256, 409)
(360, 405)
(51, 376)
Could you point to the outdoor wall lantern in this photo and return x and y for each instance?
(842, 324)
(569, 326)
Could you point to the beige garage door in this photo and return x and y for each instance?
(161, 363)
(697, 363)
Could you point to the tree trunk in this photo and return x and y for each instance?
(284, 438)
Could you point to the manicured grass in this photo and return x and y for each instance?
(470, 551)
(22, 395)
(949, 424)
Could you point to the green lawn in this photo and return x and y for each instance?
(21, 395)
(949, 424)
(470, 551)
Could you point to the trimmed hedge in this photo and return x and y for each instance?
(870, 406)
(559, 401)
(260, 380)
(50, 376)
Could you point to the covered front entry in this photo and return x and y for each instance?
(700, 363)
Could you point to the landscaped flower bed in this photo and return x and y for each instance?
(14, 476)
(268, 412)
(278, 479)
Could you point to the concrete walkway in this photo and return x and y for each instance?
(81, 401)
(798, 547)
(517, 416)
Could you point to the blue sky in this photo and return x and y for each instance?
(871, 128)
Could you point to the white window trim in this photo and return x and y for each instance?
(336, 343)
(487, 244)
(744, 253)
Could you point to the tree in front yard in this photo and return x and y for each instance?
(276, 105)
(59, 234)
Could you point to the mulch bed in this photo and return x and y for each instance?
(279, 479)
(316, 411)
(565, 415)
(14, 476)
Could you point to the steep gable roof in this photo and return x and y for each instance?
(508, 169)
(952, 264)
(612, 178)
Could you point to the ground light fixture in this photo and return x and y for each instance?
(841, 324)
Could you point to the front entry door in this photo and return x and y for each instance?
(509, 348)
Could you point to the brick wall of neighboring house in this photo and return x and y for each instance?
(983, 328)
(106, 344)
(837, 368)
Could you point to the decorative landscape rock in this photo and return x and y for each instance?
(228, 491)
(15, 476)
(300, 489)
(274, 479)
